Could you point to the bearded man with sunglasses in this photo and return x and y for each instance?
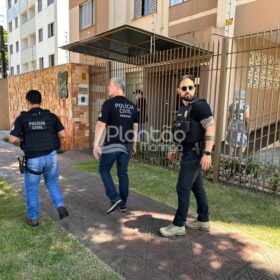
(197, 144)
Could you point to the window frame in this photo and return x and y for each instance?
(11, 49)
(182, 1)
(49, 2)
(93, 18)
(51, 29)
(52, 59)
(16, 22)
(10, 26)
(39, 37)
(145, 7)
(40, 7)
(41, 62)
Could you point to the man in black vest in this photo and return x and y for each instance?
(197, 125)
(39, 132)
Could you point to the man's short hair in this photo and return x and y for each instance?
(120, 82)
(34, 97)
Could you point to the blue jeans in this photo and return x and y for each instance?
(190, 179)
(142, 131)
(48, 165)
(105, 164)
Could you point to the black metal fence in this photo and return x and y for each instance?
(239, 77)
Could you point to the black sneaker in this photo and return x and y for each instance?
(62, 212)
(122, 208)
(32, 223)
(114, 206)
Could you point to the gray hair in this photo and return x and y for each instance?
(120, 82)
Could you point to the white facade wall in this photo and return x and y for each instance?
(15, 58)
(3, 14)
(27, 34)
(62, 30)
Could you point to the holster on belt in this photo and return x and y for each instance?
(22, 163)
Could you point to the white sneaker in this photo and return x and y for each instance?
(114, 206)
(172, 230)
(205, 226)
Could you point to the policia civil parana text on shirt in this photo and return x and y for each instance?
(195, 121)
(39, 132)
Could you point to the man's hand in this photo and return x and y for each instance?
(134, 148)
(171, 155)
(96, 152)
(206, 162)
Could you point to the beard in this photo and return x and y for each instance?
(187, 97)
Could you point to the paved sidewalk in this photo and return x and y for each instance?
(129, 242)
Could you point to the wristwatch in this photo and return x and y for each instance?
(207, 153)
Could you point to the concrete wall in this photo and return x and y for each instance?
(73, 116)
(4, 104)
(256, 16)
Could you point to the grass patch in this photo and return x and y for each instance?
(253, 215)
(44, 252)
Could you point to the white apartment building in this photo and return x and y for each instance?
(3, 19)
(36, 30)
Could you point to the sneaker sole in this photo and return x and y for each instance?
(198, 228)
(122, 210)
(176, 234)
(113, 207)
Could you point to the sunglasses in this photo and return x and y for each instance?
(187, 88)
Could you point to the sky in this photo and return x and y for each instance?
(3, 17)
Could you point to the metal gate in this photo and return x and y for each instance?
(247, 66)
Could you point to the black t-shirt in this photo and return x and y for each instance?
(200, 111)
(142, 110)
(18, 130)
(119, 114)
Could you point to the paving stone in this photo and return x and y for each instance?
(130, 242)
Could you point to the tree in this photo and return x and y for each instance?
(3, 52)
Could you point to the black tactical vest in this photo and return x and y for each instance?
(39, 134)
(186, 130)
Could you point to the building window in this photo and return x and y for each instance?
(17, 46)
(18, 69)
(50, 30)
(40, 35)
(11, 49)
(176, 2)
(87, 14)
(9, 4)
(51, 60)
(12, 71)
(50, 2)
(41, 63)
(10, 26)
(144, 7)
(15, 1)
(40, 6)
(16, 22)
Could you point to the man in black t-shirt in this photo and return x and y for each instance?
(197, 125)
(118, 118)
(141, 106)
(39, 132)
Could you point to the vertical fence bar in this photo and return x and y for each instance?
(221, 108)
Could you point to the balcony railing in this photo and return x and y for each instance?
(28, 54)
